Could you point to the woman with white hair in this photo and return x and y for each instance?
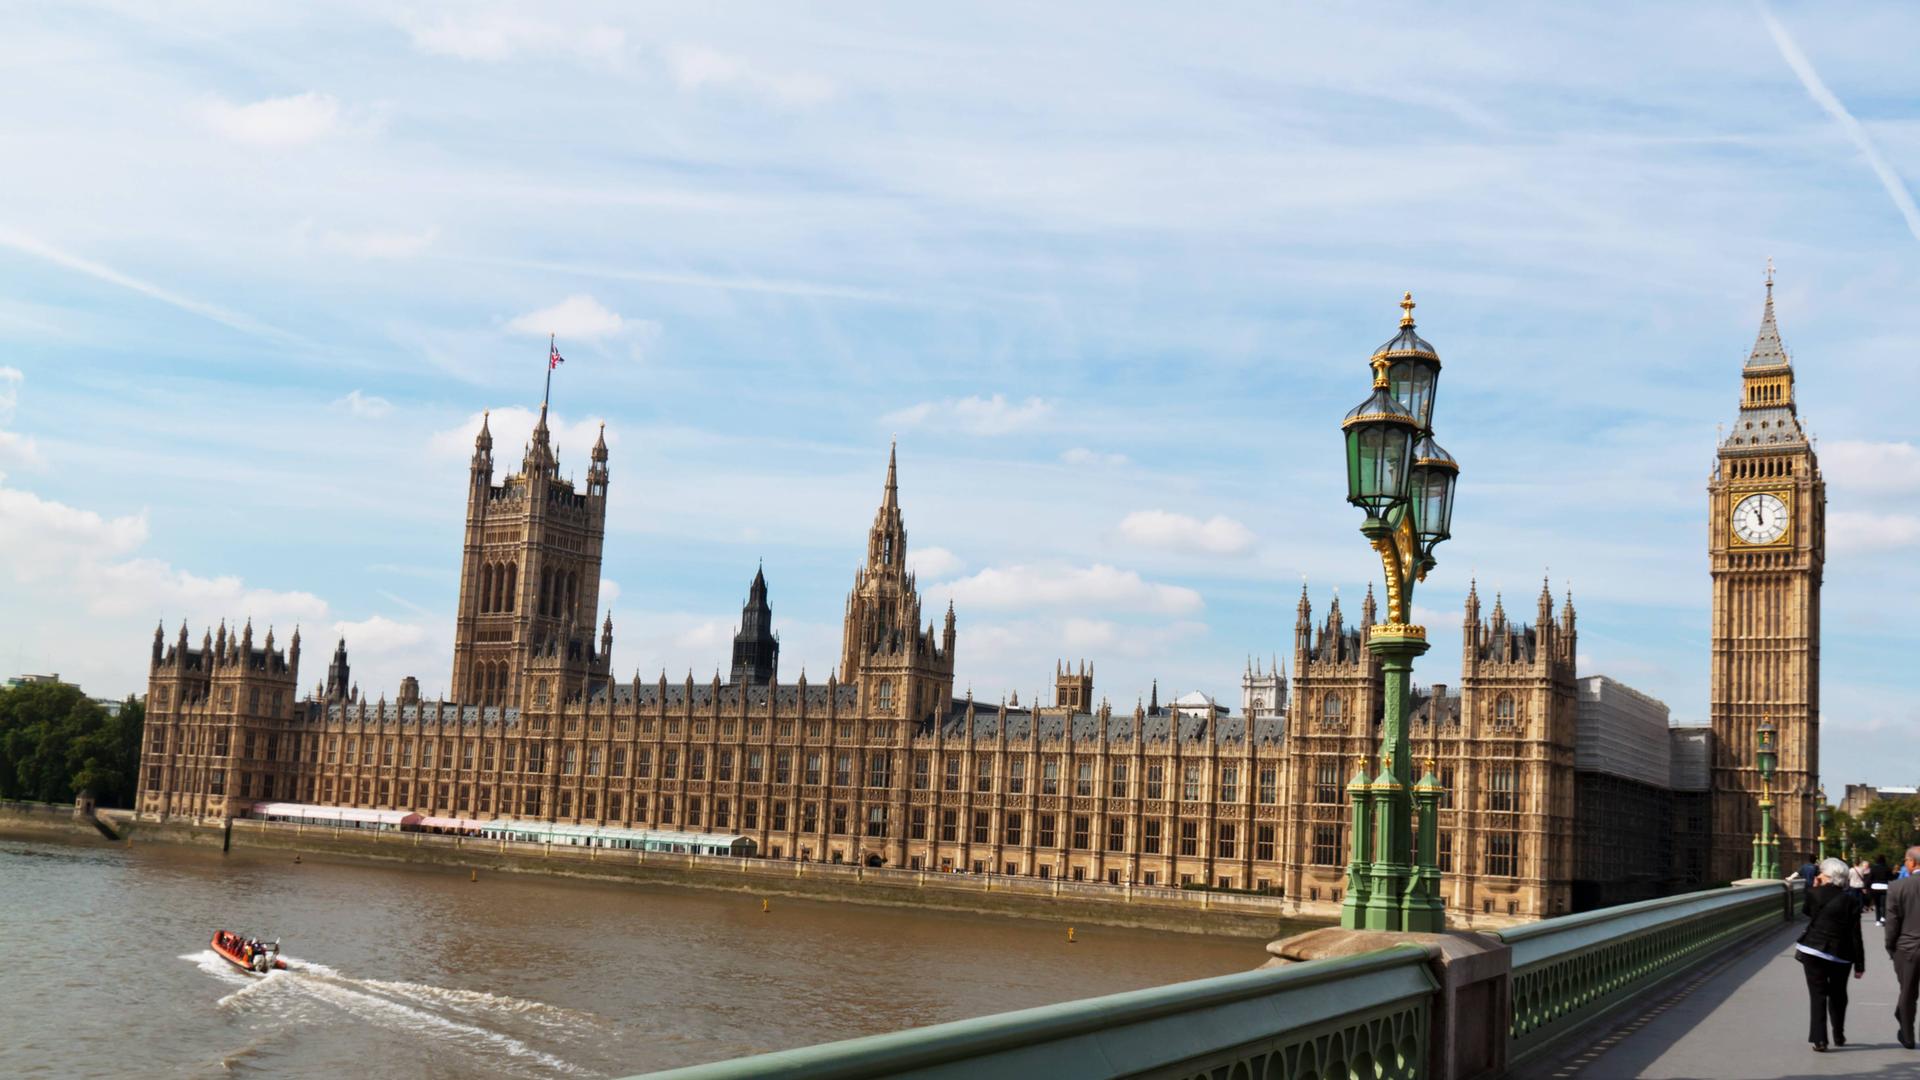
(1830, 946)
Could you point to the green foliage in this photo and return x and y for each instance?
(1888, 826)
(55, 742)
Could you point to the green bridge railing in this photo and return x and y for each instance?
(1392, 1014)
(1568, 969)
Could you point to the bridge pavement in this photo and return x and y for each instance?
(1742, 1017)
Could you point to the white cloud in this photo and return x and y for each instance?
(1097, 587)
(699, 68)
(83, 576)
(512, 428)
(364, 406)
(579, 317)
(281, 121)
(1080, 455)
(478, 34)
(1881, 467)
(1218, 535)
(975, 415)
(379, 634)
(933, 562)
(40, 538)
(1853, 531)
(609, 593)
(15, 448)
(377, 243)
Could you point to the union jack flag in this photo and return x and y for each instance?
(554, 359)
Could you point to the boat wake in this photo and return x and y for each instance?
(508, 1032)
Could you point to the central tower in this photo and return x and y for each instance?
(1766, 540)
(902, 670)
(530, 577)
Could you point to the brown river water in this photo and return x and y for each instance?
(402, 971)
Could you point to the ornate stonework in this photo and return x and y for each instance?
(1766, 610)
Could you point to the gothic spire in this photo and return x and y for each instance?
(1767, 349)
(483, 442)
(891, 500)
(887, 541)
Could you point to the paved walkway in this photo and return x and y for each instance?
(1743, 1017)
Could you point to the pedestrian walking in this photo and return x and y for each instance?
(1828, 951)
(1877, 885)
(1857, 880)
(1903, 942)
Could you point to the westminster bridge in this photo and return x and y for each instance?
(1701, 985)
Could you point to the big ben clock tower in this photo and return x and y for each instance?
(1766, 540)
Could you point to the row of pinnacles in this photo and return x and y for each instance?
(1502, 745)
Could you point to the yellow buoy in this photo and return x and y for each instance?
(1069, 935)
(473, 875)
(766, 905)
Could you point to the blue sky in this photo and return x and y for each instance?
(1111, 274)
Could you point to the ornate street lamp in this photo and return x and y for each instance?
(1766, 850)
(1825, 815)
(1405, 484)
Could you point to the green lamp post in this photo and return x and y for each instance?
(1766, 849)
(1405, 483)
(1825, 814)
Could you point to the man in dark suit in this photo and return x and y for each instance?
(1903, 942)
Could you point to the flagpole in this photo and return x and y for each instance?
(547, 394)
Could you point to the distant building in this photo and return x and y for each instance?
(1263, 690)
(29, 680)
(111, 706)
(1690, 777)
(1860, 796)
(1623, 798)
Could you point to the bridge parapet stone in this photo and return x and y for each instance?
(1467, 1028)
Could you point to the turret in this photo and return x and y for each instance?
(339, 675)
(597, 471)
(756, 648)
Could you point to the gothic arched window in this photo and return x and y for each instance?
(1503, 711)
(513, 574)
(540, 692)
(886, 550)
(883, 695)
(1330, 709)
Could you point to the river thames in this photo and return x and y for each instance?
(419, 972)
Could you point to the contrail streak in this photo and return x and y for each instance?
(1809, 78)
(28, 245)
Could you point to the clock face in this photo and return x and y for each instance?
(1760, 519)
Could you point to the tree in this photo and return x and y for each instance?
(1887, 826)
(55, 742)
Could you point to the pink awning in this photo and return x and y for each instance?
(450, 823)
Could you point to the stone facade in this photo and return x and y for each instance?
(880, 764)
(1766, 611)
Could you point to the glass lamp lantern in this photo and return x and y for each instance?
(1765, 745)
(1380, 434)
(1413, 368)
(1430, 490)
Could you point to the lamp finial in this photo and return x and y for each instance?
(1406, 308)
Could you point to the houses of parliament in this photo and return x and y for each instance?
(882, 764)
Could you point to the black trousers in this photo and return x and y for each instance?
(1879, 905)
(1826, 997)
(1906, 966)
